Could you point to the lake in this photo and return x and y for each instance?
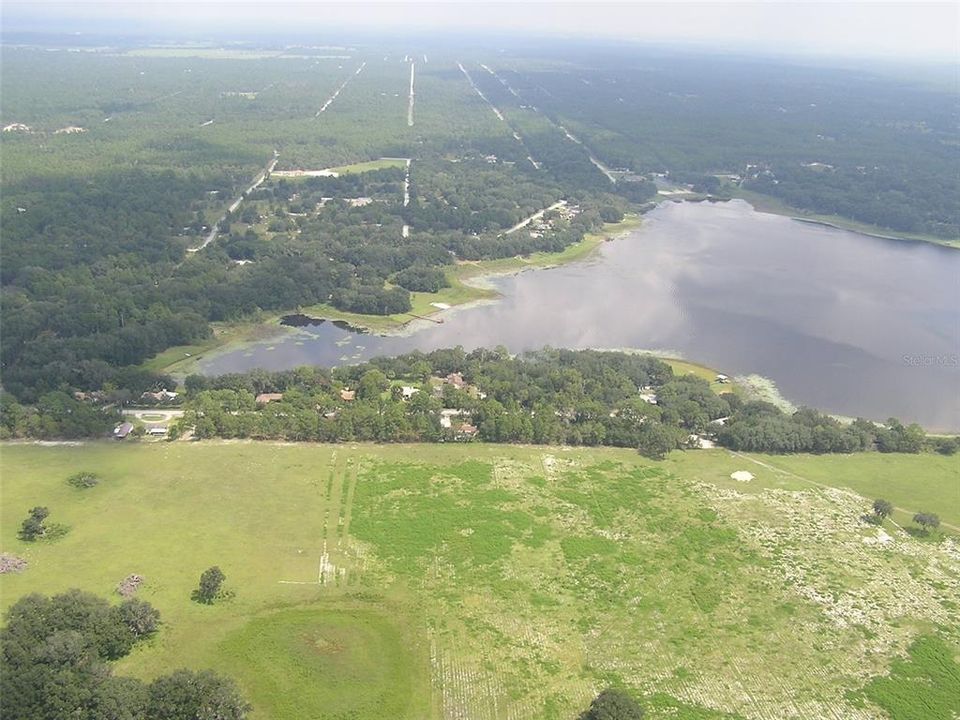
(849, 324)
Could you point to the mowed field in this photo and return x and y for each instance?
(488, 582)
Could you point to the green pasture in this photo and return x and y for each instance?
(489, 581)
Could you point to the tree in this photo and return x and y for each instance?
(882, 508)
(210, 582)
(927, 521)
(195, 695)
(655, 440)
(372, 383)
(140, 617)
(612, 704)
(33, 526)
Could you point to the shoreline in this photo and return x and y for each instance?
(773, 206)
(469, 287)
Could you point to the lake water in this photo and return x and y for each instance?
(840, 321)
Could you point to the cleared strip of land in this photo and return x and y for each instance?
(593, 159)
(340, 89)
(410, 104)
(516, 135)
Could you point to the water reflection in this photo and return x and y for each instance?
(844, 322)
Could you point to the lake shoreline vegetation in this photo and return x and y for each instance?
(548, 397)
(468, 286)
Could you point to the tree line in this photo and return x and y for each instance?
(545, 397)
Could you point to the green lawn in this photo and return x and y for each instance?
(433, 581)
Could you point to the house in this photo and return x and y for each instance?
(649, 397)
(159, 396)
(467, 430)
(722, 379)
(447, 415)
(456, 379)
(348, 395)
(407, 392)
(122, 430)
(264, 398)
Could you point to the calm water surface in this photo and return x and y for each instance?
(840, 321)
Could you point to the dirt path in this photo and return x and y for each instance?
(535, 216)
(850, 493)
(340, 89)
(257, 181)
(502, 81)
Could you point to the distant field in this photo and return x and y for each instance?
(503, 582)
(205, 53)
(362, 167)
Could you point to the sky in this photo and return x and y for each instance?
(889, 30)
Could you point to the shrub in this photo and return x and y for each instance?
(83, 480)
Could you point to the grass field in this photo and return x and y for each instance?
(511, 582)
(362, 167)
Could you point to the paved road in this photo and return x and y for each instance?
(535, 216)
(263, 175)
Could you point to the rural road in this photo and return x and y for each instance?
(535, 216)
(215, 230)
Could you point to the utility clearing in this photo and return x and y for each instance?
(336, 92)
(480, 581)
(410, 103)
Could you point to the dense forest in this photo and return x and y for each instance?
(857, 144)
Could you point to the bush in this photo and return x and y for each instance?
(83, 480)
(33, 526)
